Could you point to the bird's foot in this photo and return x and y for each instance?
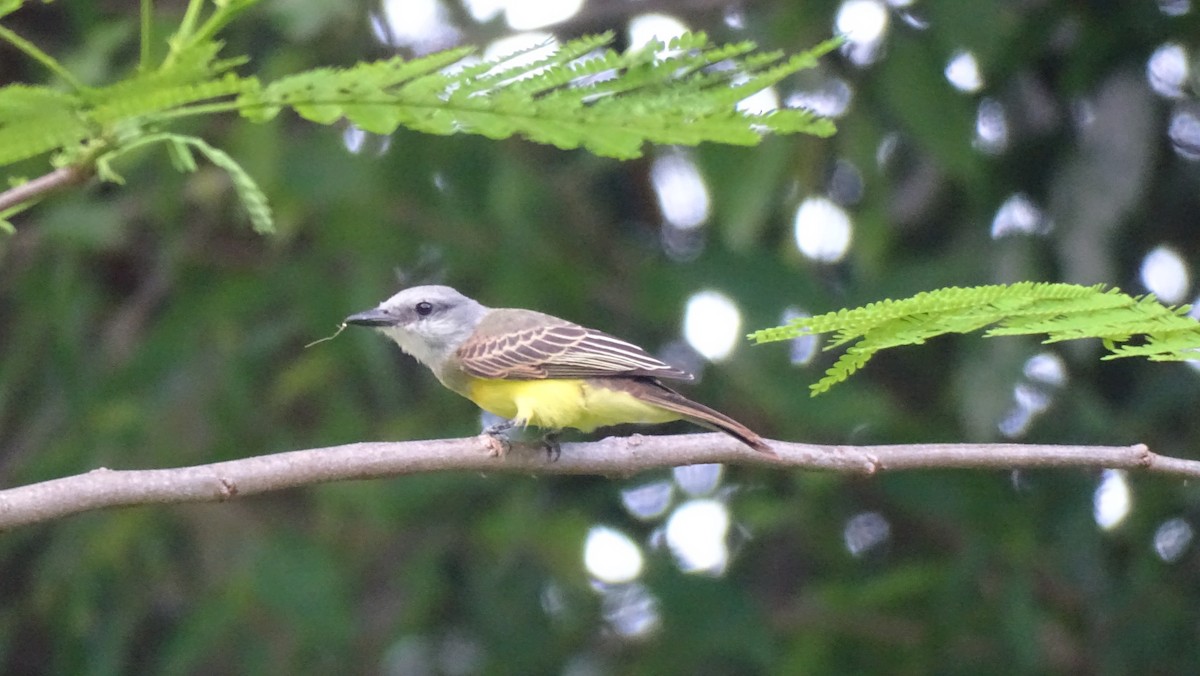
(498, 445)
(553, 448)
(499, 428)
(496, 438)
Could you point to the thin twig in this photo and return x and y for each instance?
(147, 35)
(31, 50)
(59, 178)
(222, 481)
(183, 35)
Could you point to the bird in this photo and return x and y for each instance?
(535, 369)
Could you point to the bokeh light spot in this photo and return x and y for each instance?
(760, 102)
(1112, 500)
(681, 190)
(523, 15)
(358, 141)
(696, 533)
(822, 230)
(801, 350)
(865, 24)
(712, 324)
(1165, 275)
(1184, 132)
(630, 609)
(830, 98)
(1175, 7)
(483, 11)
(963, 72)
(1046, 368)
(862, 21)
(845, 185)
(865, 531)
(1019, 216)
(991, 127)
(421, 25)
(649, 500)
(696, 480)
(511, 44)
(1172, 539)
(611, 557)
(646, 27)
(1167, 70)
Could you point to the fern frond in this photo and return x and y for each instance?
(310, 93)
(510, 76)
(1165, 346)
(1060, 311)
(253, 199)
(36, 120)
(195, 75)
(10, 6)
(575, 95)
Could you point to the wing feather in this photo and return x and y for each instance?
(554, 348)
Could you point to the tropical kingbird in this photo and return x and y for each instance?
(535, 369)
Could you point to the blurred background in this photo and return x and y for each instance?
(979, 142)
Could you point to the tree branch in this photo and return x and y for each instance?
(59, 178)
(222, 481)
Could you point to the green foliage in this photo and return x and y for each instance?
(140, 330)
(35, 120)
(179, 147)
(1128, 325)
(577, 95)
(95, 123)
(9, 6)
(684, 92)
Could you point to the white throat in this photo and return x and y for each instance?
(429, 353)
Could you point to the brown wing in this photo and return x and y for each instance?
(527, 345)
(654, 392)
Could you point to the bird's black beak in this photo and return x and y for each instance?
(372, 317)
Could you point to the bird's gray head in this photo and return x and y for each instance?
(428, 322)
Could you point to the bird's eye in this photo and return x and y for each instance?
(424, 308)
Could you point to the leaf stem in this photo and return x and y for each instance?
(188, 34)
(183, 34)
(59, 178)
(146, 34)
(41, 57)
(201, 109)
(226, 11)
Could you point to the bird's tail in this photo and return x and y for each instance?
(651, 391)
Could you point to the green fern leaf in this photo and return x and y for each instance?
(35, 120)
(251, 196)
(576, 95)
(322, 95)
(136, 99)
(1059, 311)
(10, 6)
(1182, 345)
(253, 199)
(158, 89)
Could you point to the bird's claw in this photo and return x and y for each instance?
(499, 428)
(553, 448)
(496, 438)
(498, 444)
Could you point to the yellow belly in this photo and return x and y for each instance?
(555, 404)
